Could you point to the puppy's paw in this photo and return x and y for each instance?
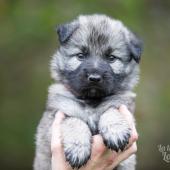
(77, 154)
(116, 140)
(114, 130)
(76, 141)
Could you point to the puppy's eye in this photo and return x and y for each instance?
(81, 56)
(111, 58)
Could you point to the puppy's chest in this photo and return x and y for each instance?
(92, 122)
(92, 117)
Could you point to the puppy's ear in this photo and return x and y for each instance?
(65, 31)
(135, 45)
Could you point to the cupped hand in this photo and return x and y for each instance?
(101, 157)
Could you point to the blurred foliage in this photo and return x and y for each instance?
(28, 39)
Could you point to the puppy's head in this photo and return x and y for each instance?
(98, 57)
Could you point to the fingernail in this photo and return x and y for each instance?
(59, 114)
(122, 107)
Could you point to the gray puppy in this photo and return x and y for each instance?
(95, 69)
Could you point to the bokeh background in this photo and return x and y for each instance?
(28, 39)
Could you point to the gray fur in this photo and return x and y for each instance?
(95, 36)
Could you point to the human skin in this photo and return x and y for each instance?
(101, 157)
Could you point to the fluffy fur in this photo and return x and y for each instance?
(95, 69)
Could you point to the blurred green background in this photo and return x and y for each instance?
(28, 39)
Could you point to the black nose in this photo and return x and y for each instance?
(94, 78)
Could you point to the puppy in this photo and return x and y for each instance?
(95, 68)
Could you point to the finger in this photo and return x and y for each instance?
(58, 158)
(133, 137)
(128, 116)
(124, 155)
(56, 134)
(59, 116)
(101, 157)
(110, 157)
(98, 147)
(59, 163)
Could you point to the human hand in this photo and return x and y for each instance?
(101, 157)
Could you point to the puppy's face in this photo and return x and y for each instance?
(98, 57)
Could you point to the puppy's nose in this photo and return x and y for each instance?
(95, 78)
